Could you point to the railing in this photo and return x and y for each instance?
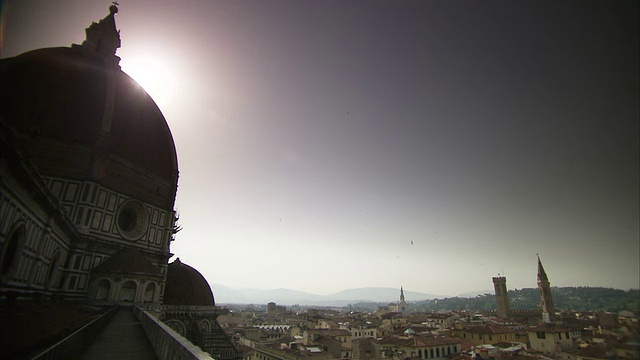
(75, 344)
(167, 343)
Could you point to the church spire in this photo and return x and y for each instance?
(546, 300)
(103, 39)
(401, 294)
(542, 275)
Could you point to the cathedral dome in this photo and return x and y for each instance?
(79, 116)
(186, 286)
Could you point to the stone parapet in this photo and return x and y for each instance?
(190, 310)
(167, 343)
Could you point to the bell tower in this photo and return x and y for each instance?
(502, 296)
(546, 300)
(403, 307)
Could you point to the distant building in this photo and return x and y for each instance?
(282, 352)
(327, 324)
(486, 334)
(392, 321)
(273, 308)
(417, 346)
(440, 321)
(341, 335)
(364, 349)
(502, 296)
(552, 338)
(401, 307)
(360, 332)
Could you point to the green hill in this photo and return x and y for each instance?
(564, 298)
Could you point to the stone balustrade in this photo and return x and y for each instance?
(167, 343)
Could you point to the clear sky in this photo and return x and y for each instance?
(326, 145)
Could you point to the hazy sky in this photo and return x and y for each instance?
(326, 145)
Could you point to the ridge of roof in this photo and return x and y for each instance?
(129, 261)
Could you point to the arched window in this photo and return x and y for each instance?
(53, 266)
(177, 326)
(149, 292)
(11, 251)
(103, 289)
(128, 291)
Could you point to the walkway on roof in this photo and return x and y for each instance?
(123, 338)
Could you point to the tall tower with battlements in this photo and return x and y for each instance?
(546, 300)
(502, 296)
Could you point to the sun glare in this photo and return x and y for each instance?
(153, 75)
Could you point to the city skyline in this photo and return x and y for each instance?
(331, 145)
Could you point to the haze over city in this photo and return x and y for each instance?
(430, 145)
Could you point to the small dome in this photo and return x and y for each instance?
(186, 286)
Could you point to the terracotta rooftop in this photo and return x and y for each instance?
(549, 328)
(330, 332)
(491, 329)
(418, 340)
(593, 351)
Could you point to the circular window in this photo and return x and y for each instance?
(204, 326)
(132, 220)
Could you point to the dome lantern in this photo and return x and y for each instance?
(103, 39)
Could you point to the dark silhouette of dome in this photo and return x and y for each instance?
(186, 286)
(79, 116)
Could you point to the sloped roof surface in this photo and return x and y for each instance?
(419, 340)
(492, 329)
(129, 261)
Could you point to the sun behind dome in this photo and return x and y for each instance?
(88, 185)
(80, 117)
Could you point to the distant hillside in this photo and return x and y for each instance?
(475, 293)
(565, 298)
(224, 294)
(378, 294)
